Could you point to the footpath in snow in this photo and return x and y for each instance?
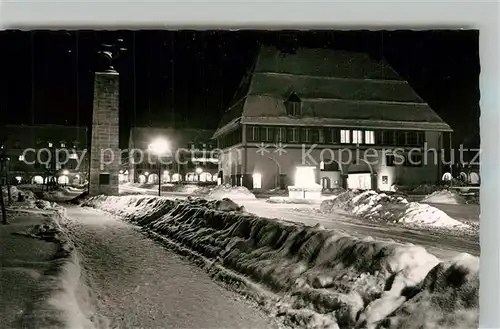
(314, 278)
(137, 283)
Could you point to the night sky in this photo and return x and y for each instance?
(188, 78)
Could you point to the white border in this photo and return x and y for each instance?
(332, 15)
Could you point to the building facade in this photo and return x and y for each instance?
(352, 118)
(192, 156)
(39, 154)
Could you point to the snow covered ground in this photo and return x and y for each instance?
(40, 272)
(323, 278)
(140, 284)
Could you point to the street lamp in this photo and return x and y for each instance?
(159, 147)
(198, 172)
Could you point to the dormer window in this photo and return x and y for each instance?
(293, 105)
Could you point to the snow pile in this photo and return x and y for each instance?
(322, 279)
(445, 197)
(233, 192)
(57, 300)
(390, 208)
(448, 299)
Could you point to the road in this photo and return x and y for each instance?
(140, 284)
(441, 244)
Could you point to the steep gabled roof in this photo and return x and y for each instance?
(334, 86)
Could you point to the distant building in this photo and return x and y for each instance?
(192, 156)
(314, 106)
(33, 151)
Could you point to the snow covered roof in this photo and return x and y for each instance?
(333, 86)
(140, 137)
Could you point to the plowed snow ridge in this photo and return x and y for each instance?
(325, 279)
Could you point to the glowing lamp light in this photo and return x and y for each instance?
(199, 170)
(146, 173)
(65, 172)
(159, 146)
(121, 171)
(304, 177)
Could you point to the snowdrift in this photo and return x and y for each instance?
(445, 197)
(233, 192)
(390, 208)
(59, 300)
(323, 279)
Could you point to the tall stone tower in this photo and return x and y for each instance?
(105, 153)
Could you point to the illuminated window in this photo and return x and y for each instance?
(322, 165)
(50, 144)
(21, 157)
(369, 137)
(357, 137)
(345, 136)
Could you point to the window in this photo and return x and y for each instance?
(293, 105)
(411, 138)
(387, 137)
(50, 144)
(420, 138)
(369, 137)
(73, 156)
(322, 165)
(21, 157)
(103, 179)
(357, 137)
(280, 134)
(332, 136)
(293, 135)
(267, 134)
(321, 136)
(345, 136)
(389, 160)
(400, 138)
(252, 133)
(63, 144)
(306, 135)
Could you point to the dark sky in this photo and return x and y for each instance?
(188, 78)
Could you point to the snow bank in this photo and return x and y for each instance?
(233, 192)
(445, 197)
(391, 208)
(57, 301)
(324, 279)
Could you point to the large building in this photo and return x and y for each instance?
(192, 156)
(351, 117)
(41, 153)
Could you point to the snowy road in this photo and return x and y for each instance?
(140, 284)
(441, 244)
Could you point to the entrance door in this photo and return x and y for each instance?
(361, 181)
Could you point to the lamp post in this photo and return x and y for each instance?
(159, 147)
(199, 170)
